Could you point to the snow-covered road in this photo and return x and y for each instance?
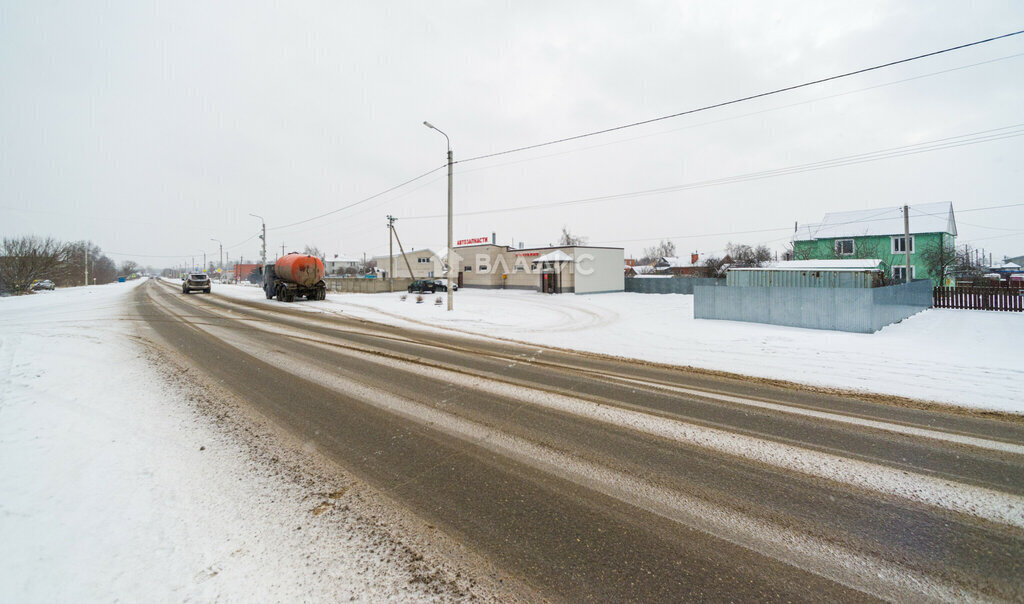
(119, 481)
(961, 357)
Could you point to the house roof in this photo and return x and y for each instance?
(924, 218)
(340, 258)
(846, 264)
(398, 255)
(681, 262)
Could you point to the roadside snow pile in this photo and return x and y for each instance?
(963, 357)
(117, 488)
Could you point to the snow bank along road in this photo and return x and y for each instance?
(598, 479)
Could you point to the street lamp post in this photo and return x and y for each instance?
(263, 236)
(451, 253)
(220, 245)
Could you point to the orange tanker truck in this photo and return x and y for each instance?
(295, 275)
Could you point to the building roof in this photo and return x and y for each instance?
(1013, 266)
(340, 258)
(681, 262)
(555, 256)
(846, 264)
(398, 255)
(924, 218)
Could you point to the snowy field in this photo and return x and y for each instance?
(961, 357)
(114, 486)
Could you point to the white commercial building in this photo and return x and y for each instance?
(425, 264)
(566, 269)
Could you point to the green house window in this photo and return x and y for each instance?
(844, 247)
(899, 273)
(899, 245)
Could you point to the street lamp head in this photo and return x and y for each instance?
(428, 124)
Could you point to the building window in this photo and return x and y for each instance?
(899, 245)
(467, 269)
(520, 268)
(844, 247)
(482, 268)
(899, 273)
(422, 260)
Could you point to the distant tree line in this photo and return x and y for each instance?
(737, 255)
(30, 258)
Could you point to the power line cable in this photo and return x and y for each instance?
(361, 201)
(178, 255)
(933, 145)
(744, 99)
(932, 74)
(870, 218)
(736, 117)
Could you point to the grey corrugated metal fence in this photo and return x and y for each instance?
(862, 310)
(357, 285)
(807, 278)
(675, 285)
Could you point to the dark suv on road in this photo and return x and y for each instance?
(422, 286)
(194, 282)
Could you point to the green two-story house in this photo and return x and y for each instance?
(879, 233)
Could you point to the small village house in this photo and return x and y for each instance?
(682, 266)
(879, 234)
(338, 264)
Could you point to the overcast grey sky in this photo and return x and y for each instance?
(152, 127)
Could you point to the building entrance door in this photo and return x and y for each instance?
(549, 280)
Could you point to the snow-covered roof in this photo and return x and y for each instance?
(648, 276)
(1005, 266)
(924, 218)
(340, 258)
(398, 255)
(681, 262)
(848, 264)
(555, 256)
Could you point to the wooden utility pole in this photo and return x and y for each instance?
(906, 240)
(391, 253)
(404, 257)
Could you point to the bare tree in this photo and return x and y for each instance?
(103, 270)
(715, 266)
(568, 239)
(312, 250)
(72, 269)
(665, 249)
(25, 259)
(940, 259)
(968, 268)
(745, 256)
(128, 267)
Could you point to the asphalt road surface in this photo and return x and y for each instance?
(594, 479)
